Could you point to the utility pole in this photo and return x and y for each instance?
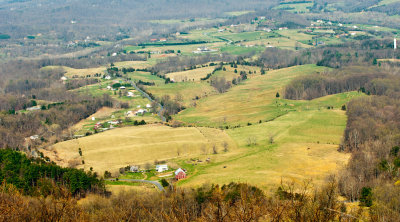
(394, 46)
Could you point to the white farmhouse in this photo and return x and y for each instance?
(140, 112)
(161, 168)
(34, 137)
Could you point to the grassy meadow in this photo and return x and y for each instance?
(251, 101)
(121, 147)
(295, 140)
(304, 147)
(295, 7)
(146, 77)
(188, 90)
(194, 75)
(229, 72)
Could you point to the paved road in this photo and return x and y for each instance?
(151, 100)
(155, 183)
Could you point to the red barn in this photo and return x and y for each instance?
(180, 174)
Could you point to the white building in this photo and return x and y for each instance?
(140, 112)
(33, 108)
(161, 168)
(34, 137)
(134, 169)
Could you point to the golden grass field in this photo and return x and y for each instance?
(188, 90)
(230, 74)
(305, 147)
(121, 147)
(248, 102)
(70, 72)
(305, 134)
(193, 75)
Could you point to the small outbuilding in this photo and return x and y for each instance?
(140, 112)
(161, 168)
(34, 137)
(134, 169)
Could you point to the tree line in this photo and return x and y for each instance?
(333, 82)
(230, 202)
(36, 177)
(365, 52)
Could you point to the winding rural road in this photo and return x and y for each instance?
(155, 183)
(151, 100)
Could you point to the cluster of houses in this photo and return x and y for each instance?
(112, 123)
(178, 174)
(139, 112)
(111, 88)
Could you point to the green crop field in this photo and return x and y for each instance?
(238, 50)
(201, 35)
(296, 34)
(237, 13)
(146, 77)
(296, 7)
(245, 36)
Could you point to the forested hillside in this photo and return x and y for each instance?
(36, 177)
